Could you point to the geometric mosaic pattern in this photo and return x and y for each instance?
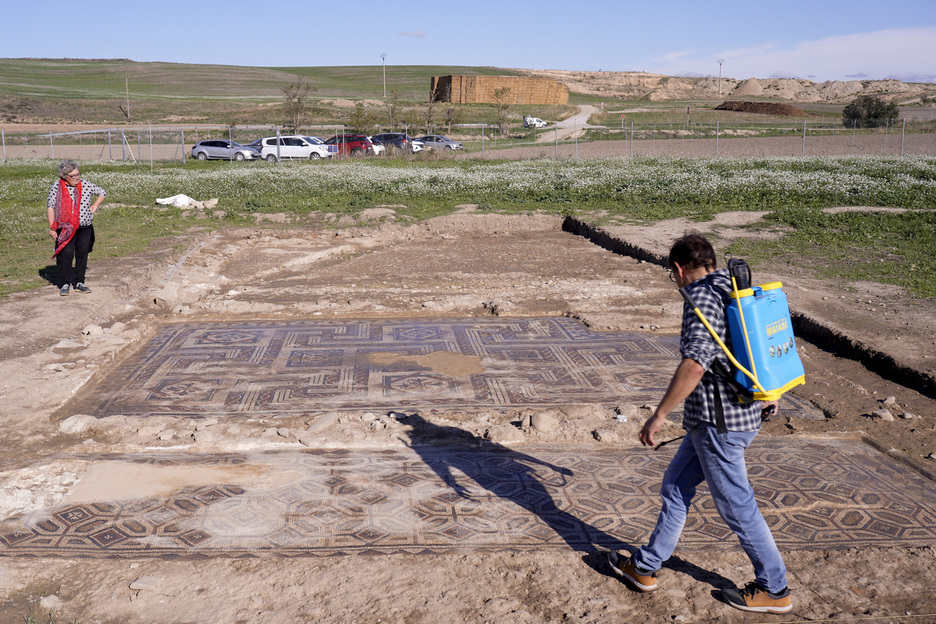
(278, 368)
(815, 494)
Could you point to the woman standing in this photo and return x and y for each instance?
(70, 211)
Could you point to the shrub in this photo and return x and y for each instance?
(869, 111)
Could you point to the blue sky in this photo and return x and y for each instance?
(816, 39)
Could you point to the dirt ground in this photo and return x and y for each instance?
(464, 264)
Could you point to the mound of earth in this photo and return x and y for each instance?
(761, 108)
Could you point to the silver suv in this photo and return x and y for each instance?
(217, 149)
(293, 147)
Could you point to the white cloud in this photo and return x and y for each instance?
(412, 33)
(874, 55)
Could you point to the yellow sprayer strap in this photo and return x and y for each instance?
(747, 342)
(719, 341)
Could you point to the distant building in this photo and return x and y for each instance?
(480, 89)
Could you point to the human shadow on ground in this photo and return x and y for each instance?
(518, 477)
(51, 274)
(507, 474)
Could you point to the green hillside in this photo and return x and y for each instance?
(97, 91)
(108, 79)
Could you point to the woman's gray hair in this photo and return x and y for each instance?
(66, 167)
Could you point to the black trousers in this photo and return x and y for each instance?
(76, 251)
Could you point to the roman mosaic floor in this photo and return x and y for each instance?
(815, 493)
(270, 369)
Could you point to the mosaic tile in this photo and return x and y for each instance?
(815, 495)
(271, 369)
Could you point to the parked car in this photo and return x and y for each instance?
(350, 145)
(533, 122)
(217, 149)
(377, 147)
(397, 142)
(439, 142)
(293, 147)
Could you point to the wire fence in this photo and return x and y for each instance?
(917, 138)
(159, 143)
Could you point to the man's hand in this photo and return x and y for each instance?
(687, 376)
(768, 409)
(651, 428)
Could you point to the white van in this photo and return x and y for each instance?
(533, 122)
(293, 147)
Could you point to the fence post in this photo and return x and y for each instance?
(556, 152)
(123, 145)
(51, 146)
(804, 137)
(632, 140)
(903, 129)
(182, 136)
(151, 146)
(716, 139)
(3, 140)
(110, 156)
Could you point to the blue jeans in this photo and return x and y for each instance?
(718, 459)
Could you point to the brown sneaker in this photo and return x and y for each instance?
(627, 569)
(755, 598)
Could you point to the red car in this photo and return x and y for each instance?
(350, 145)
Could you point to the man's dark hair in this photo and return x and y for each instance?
(693, 251)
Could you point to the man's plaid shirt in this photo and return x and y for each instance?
(710, 294)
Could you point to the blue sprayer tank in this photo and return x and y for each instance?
(762, 314)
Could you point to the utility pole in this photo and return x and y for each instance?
(720, 61)
(383, 57)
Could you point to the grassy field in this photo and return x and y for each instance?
(86, 91)
(108, 79)
(887, 247)
(893, 248)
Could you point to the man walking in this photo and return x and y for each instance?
(718, 430)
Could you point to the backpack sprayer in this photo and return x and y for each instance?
(763, 350)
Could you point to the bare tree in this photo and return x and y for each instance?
(297, 106)
(453, 115)
(411, 117)
(429, 114)
(504, 105)
(393, 108)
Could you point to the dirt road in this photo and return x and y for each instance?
(571, 127)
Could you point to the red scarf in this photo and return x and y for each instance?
(66, 215)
